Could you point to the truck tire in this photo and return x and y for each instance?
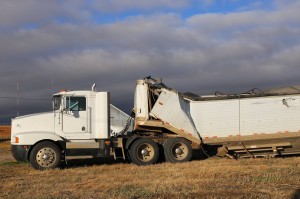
(45, 155)
(144, 152)
(177, 150)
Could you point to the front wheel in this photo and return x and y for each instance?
(144, 152)
(177, 150)
(45, 155)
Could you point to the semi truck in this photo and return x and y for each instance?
(164, 123)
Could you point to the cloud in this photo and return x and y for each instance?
(18, 12)
(35, 13)
(117, 6)
(202, 53)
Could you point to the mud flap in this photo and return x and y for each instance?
(104, 148)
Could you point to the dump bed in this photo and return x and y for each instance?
(233, 118)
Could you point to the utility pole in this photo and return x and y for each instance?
(18, 103)
(52, 84)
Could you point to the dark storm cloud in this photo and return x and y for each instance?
(230, 52)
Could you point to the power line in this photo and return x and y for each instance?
(24, 98)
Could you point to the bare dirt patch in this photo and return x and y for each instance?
(211, 178)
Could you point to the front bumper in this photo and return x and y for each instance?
(20, 152)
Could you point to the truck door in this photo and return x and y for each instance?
(74, 117)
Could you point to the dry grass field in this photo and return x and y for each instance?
(210, 178)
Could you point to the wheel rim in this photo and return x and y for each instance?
(179, 151)
(145, 152)
(45, 157)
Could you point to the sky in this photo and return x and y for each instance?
(198, 46)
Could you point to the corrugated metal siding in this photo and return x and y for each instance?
(247, 116)
(270, 115)
(216, 118)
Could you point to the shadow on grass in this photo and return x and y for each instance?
(205, 152)
(296, 194)
(4, 140)
(197, 155)
(91, 162)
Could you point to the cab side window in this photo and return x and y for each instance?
(76, 103)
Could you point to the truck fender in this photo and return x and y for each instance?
(26, 142)
(130, 141)
(31, 138)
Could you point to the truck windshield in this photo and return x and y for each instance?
(56, 102)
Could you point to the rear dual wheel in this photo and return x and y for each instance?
(144, 152)
(177, 150)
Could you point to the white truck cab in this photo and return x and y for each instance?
(78, 126)
(82, 115)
